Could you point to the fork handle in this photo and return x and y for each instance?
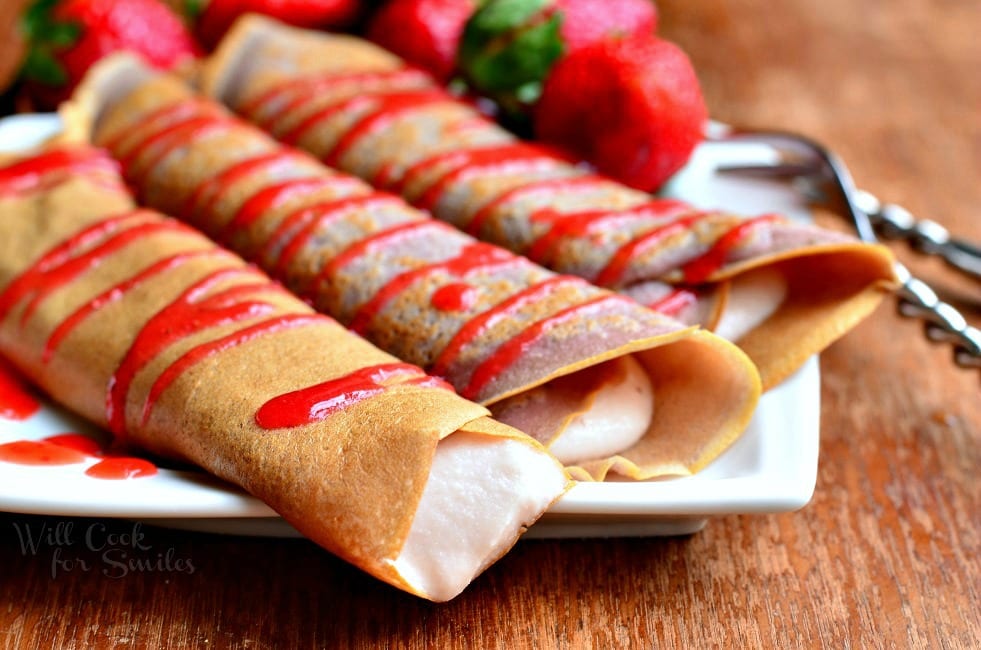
(942, 321)
(929, 237)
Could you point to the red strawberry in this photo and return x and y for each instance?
(214, 17)
(66, 38)
(509, 46)
(586, 21)
(423, 32)
(632, 107)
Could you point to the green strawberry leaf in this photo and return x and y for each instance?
(508, 48)
(526, 58)
(40, 66)
(36, 18)
(45, 38)
(62, 34)
(194, 8)
(500, 16)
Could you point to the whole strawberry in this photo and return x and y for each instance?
(66, 37)
(423, 32)
(212, 18)
(632, 107)
(509, 46)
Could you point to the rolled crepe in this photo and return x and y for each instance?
(147, 328)
(496, 326)
(788, 289)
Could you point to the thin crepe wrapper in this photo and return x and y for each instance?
(701, 407)
(350, 482)
(833, 280)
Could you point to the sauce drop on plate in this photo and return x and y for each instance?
(76, 441)
(35, 452)
(120, 468)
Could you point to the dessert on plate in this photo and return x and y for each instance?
(606, 384)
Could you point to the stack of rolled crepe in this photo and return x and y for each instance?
(149, 329)
(606, 384)
(783, 290)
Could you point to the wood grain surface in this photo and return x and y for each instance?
(885, 556)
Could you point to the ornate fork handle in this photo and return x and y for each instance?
(942, 322)
(929, 237)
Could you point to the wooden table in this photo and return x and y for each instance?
(887, 553)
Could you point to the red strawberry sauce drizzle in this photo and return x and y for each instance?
(306, 219)
(174, 135)
(65, 263)
(159, 118)
(214, 189)
(201, 352)
(506, 159)
(314, 403)
(488, 319)
(382, 107)
(198, 307)
(293, 93)
(563, 225)
(16, 403)
(702, 268)
(509, 352)
(488, 160)
(456, 296)
(109, 296)
(577, 224)
(27, 283)
(545, 186)
(378, 241)
(203, 305)
(269, 198)
(472, 258)
(191, 312)
(19, 179)
(35, 173)
(300, 225)
(388, 108)
(615, 268)
(674, 302)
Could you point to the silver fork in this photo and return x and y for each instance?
(826, 181)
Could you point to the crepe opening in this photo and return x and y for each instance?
(481, 495)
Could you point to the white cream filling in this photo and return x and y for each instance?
(594, 413)
(481, 492)
(753, 297)
(618, 417)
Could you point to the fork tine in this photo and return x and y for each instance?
(775, 170)
(782, 141)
